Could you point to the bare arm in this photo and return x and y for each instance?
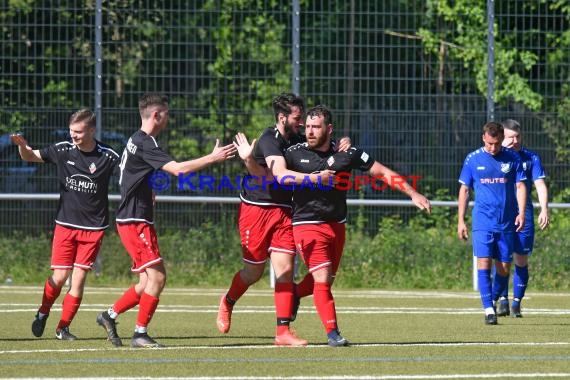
(521, 201)
(398, 182)
(278, 168)
(542, 192)
(245, 151)
(26, 152)
(219, 154)
(462, 202)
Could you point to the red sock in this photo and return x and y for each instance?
(147, 307)
(324, 302)
(237, 288)
(305, 287)
(128, 300)
(283, 297)
(70, 306)
(50, 295)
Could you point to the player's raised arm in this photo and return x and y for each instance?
(398, 182)
(26, 152)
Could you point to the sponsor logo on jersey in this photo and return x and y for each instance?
(81, 183)
(306, 161)
(132, 148)
(480, 168)
(70, 162)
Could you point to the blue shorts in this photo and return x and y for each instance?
(495, 245)
(523, 243)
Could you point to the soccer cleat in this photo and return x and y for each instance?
(336, 340)
(503, 309)
(491, 319)
(224, 319)
(110, 327)
(296, 304)
(142, 340)
(64, 334)
(516, 311)
(288, 338)
(39, 325)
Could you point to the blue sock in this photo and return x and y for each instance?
(499, 285)
(520, 282)
(484, 279)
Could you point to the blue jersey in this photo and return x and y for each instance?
(494, 180)
(532, 167)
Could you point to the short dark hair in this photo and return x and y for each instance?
(321, 110)
(284, 102)
(84, 115)
(512, 125)
(150, 100)
(493, 129)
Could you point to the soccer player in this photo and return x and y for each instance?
(319, 212)
(84, 167)
(135, 216)
(496, 174)
(524, 241)
(264, 221)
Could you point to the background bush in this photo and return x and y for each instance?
(421, 253)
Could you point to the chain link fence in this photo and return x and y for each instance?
(405, 80)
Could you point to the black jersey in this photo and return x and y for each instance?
(141, 157)
(84, 183)
(320, 204)
(270, 143)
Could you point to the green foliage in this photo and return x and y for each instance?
(423, 253)
(463, 37)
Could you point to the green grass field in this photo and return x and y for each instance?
(394, 335)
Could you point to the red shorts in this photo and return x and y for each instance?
(320, 245)
(264, 229)
(141, 243)
(74, 247)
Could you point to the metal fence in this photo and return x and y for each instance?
(403, 79)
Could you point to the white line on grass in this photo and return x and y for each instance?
(310, 346)
(361, 377)
(32, 308)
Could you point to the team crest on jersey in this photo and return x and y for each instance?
(330, 161)
(524, 165)
(505, 167)
(92, 168)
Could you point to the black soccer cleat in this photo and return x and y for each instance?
(64, 334)
(516, 311)
(142, 340)
(336, 340)
(39, 325)
(491, 319)
(503, 309)
(110, 326)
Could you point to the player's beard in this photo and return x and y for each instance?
(290, 130)
(317, 142)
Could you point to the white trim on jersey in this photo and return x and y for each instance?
(318, 222)
(264, 203)
(103, 148)
(131, 220)
(81, 227)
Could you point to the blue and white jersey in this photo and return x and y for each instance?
(494, 180)
(532, 167)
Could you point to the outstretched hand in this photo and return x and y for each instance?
(243, 147)
(421, 202)
(19, 140)
(222, 153)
